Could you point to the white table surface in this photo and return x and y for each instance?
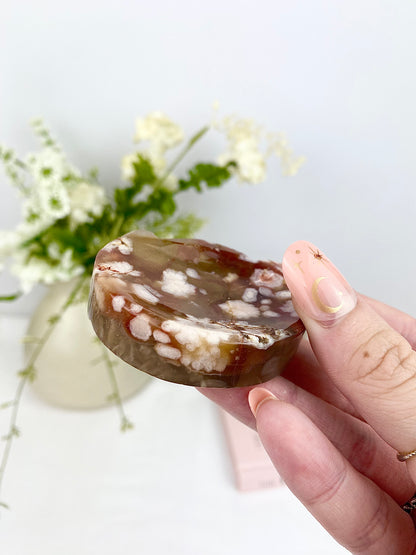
(77, 486)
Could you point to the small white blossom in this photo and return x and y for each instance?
(48, 166)
(249, 147)
(54, 251)
(170, 183)
(54, 200)
(278, 145)
(34, 270)
(155, 154)
(244, 137)
(251, 164)
(127, 169)
(159, 130)
(12, 167)
(35, 218)
(9, 242)
(86, 199)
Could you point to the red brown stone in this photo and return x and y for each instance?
(192, 312)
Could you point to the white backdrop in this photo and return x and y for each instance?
(338, 77)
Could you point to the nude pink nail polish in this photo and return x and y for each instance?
(318, 288)
(257, 397)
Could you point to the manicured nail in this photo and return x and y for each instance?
(258, 397)
(318, 288)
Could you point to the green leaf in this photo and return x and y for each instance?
(210, 174)
(7, 404)
(143, 175)
(52, 320)
(14, 432)
(4, 505)
(162, 201)
(28, 373)
(67, 239)
(113, 397)
(126, 424)
(12, 297)
(181, 226)
(27, 339)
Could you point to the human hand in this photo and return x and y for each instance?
(346, 404)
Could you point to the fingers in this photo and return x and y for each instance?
(354, 510)
(304, 370)
(357, 442)
(354, 439)
(373, 365)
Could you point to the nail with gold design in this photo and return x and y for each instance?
(317, 287)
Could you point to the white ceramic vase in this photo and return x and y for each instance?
(70, 370)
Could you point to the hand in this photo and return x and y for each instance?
(335, 420)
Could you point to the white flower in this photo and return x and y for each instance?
(247, 149)
(86, 200)
(54, 200)
(278, 145)
(244, 137)
(34, 270)
(242, 130)
(9, 243)
(127, 169)
(251, 164)
(48, 166)
(156, 157)
(35, 218)
(170, 183)
(9, 240)
(54, 251)
(159, 130)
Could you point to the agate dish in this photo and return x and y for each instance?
(192, 312)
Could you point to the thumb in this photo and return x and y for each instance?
(372, 364)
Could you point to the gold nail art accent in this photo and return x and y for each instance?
(297, 264)
(322, 306)
(317, 255)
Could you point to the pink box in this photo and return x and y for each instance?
(253, 470)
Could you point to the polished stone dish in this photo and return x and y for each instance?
(192, 312)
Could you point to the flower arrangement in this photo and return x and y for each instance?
(67, 217)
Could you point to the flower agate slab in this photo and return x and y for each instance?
(192, 312)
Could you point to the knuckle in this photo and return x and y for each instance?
(385, 357)
(373, 531)
(330, 489)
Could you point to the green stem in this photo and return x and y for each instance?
(115, 232)
(21, 164)
(192, 141)
(125, 422)
(28, 373)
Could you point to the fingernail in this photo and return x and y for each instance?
(318, 288)
(257, 397)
